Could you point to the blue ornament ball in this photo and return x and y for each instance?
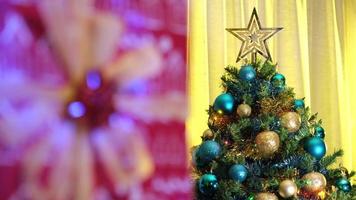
(319, 132)
(299, 104)
(247, 73)
(208, 184)
(315, 146)
(278, 81)
(238, 173)
(208, 151)
(343, 184)
(224, 104)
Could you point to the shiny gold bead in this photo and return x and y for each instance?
(291, 121)
(287, 188)
(243, 110)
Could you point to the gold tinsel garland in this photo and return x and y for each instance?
(279, 105)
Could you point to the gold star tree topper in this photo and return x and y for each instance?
(253, 38)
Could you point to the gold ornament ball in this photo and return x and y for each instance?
(266, 196)
(267, 143)
(287, 188)
(208, 134)
(316, 182)
(243, 110)
(291, 121)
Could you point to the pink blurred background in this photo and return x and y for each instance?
(93, 100)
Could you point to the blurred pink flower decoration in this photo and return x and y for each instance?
(61, 133)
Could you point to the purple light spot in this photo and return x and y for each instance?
(136, 87)
(76, 109)
(118, 121)
(93, 80)
(135, 19)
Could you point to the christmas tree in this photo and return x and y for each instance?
(262, 142)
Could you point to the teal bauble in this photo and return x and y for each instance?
(247, 73)
(319, 132)
(224, 104)
(208, 184)
(315, 146)
(278, 81)
(208, 151)
(238, 173)
(343, 184)
(298, 104)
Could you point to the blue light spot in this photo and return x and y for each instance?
(76, 109)
(136, 87)
(93, 80)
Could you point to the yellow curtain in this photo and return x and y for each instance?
(316, 51)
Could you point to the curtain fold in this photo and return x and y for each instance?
(315, 51)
